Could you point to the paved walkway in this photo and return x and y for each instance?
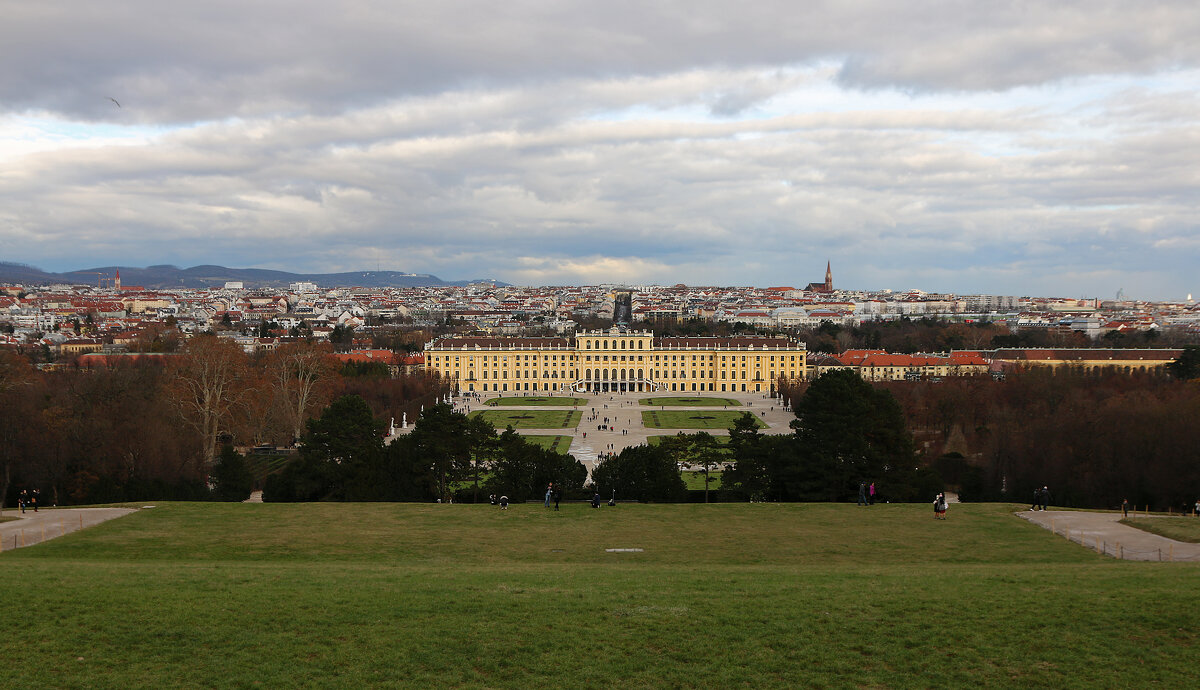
(625, 415)
(1102, 532)
(48, 523)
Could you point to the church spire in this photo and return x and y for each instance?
(828, 276)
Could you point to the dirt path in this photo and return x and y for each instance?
(1103, 532)
(34, 528)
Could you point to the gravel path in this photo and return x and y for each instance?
(625, 414)
(1103, 532)
(34, 528)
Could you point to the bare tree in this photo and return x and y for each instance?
(208, 383)
(302, 375)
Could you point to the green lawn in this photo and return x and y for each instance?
(263, 466)
(531, 419)
(1177, 528)
(693, 419)
(693, 401)
(747, 595)
(533, 401)
(695, 480)
(558, 444)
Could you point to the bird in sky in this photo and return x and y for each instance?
(114, 101)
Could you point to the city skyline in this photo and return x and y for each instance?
(1034, 150)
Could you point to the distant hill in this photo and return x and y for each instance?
(216, 276)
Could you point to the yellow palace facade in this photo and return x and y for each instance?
(617, 361)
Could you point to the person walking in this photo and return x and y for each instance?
(1045, 497)
(549, 493)
(862, 494)
(1125, 508)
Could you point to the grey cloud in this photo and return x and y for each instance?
(212, 60)
(665, 201)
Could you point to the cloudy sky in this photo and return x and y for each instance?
(1044, 148)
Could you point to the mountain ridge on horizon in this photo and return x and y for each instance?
(161, 276)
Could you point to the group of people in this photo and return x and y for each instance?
(866, 494)
(553, 494)
(28, 499)
(502, 501)
(939, 507)
(1041, 498)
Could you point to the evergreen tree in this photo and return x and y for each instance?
(1187, 367)
(645, 473)
(442, 436)
(231, 477)
(340, 458)
(849, 432)
(752, 473)
(522, 470)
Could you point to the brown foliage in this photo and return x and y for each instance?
(1093, 440)
(207, 383)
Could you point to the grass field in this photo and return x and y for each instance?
(532, 401)
(695, 480)
(692, 419)
(263, 466)
(693, 401)
(748, 595)
(531, 419)
(1178, 528)
(558, 444)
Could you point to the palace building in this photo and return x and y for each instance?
(617, 360)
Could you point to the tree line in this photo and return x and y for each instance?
(1093, 440)
(447, 456)
(166, 430)
(144, 428)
